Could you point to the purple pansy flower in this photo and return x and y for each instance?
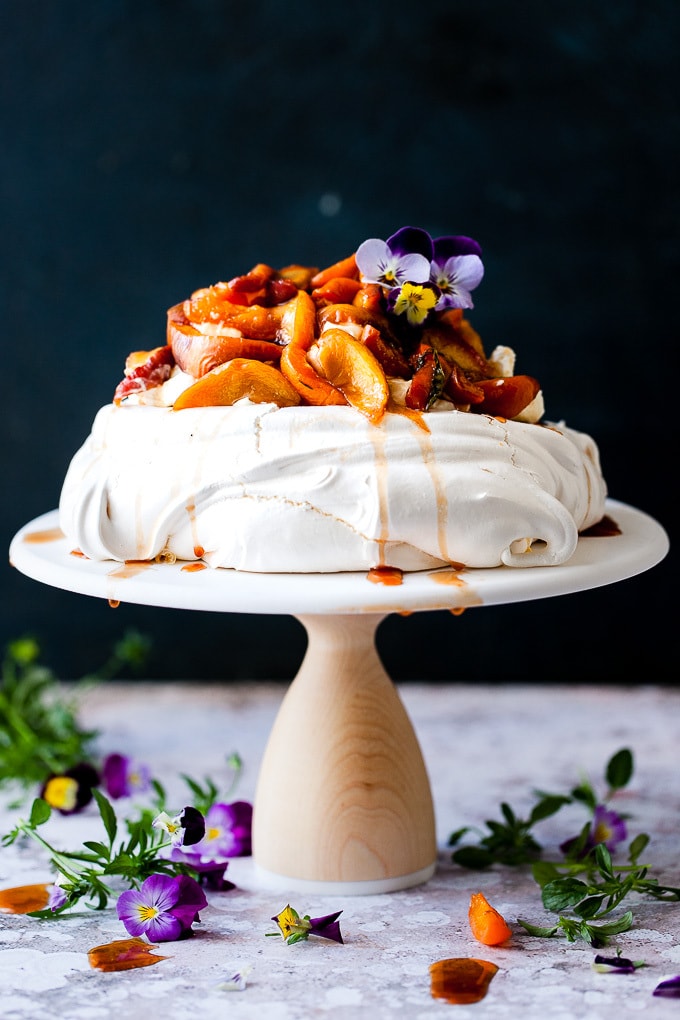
(57, 898)
(122, 776)
(456, 269)
(70, 791)
(209, 872)
(185, 829)
(228, 831)
(403, 258)
(608, 827)
(297, 929)
(163, 908)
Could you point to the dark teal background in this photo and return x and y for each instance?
(152, 148)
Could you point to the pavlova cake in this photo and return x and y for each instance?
(343, 419)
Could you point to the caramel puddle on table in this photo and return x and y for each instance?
(191, 568)
(461, 981)
(49, 535)
(23, 899)
(123, 954)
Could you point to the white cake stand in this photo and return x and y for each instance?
(343, 802)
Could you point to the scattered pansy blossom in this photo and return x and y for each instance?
(608, 827)
(70, 791)
(422, 275)
(616, 964)
(668, 988)
(294, 928)
(123, 776)
(209, 872)
(163, 908)
(228, 831)
(185, 829)
(58, 898)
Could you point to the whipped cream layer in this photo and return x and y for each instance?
(303, 489)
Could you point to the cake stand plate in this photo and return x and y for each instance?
(343, 804)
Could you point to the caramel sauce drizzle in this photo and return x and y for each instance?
(192, 568)
(385, 575)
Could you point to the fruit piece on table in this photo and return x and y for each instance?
(236, 379)
(486, 924)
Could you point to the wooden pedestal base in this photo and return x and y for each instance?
(343, 802)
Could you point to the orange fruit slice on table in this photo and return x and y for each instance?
(236, 379)
(486, 924)
(353, 369)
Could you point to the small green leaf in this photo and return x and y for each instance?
(456, 836)
(563, 893)
(638, 846)
(620, 769)
(544, 872)
(108, 815)
(589, 907)
(98, 848)
(614, 927)
(40, 812)
(537, 930)
(473, 857)
(549, 805)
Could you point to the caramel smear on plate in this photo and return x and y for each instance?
(49, 535)
(461, 981)
(23, 899)
(123, 954)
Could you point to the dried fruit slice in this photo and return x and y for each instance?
(144, 370)
(236, 379)
(299, 325)
(345, 267)
(349, 364)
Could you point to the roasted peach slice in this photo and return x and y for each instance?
(198, 352)
(351, 367)
(299, 327)
(236, 379)
(506, 398)
(345, 267)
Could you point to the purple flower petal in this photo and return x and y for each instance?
(146, 911)
(190, 899)
(122, 776)
(456, 278)
(228, 831)
(447, 247)
(379, 263)
(411, 241)
(670, 988)
(327, 927)
(608, 828)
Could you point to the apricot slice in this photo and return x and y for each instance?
(236, 379)
(299, 325)
(345, 267)
(486, 924)
(350, 366)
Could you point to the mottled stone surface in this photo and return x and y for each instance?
(482, 746)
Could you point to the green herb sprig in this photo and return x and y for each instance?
(583, 888)
(87, 874)
(39, 729)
